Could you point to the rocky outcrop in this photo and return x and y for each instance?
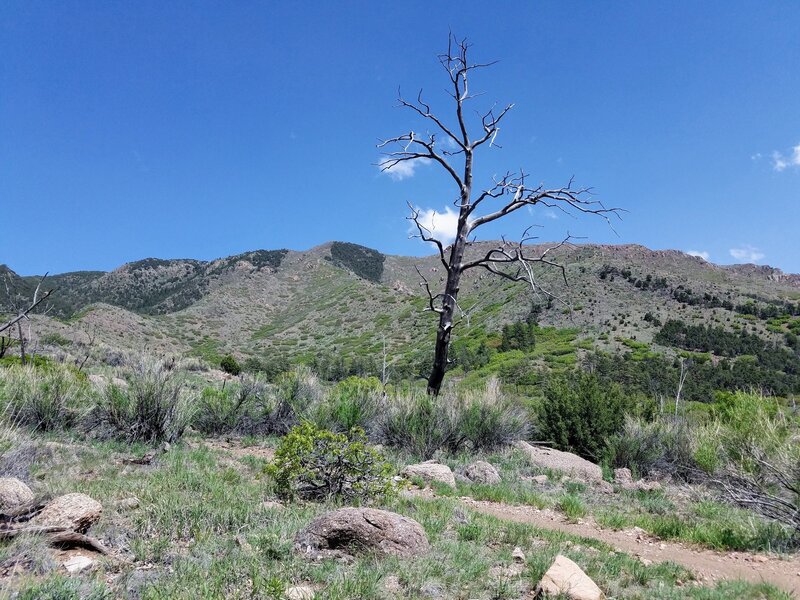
(572, 464)
(76, 512)
(565, 578)
(431, 471)
(347, 531)
(482, 472)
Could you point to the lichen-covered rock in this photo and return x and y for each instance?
(348, 531)
(73, 511)
(13, 493)
(572, 464)
(431, 472)
(623, 476)
(482, 472)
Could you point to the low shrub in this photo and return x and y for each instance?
(298, 395)
(665, 446)
(479, 420)
(229, 409)
(313, 463)
(42, 398)
(353, 402)
(154, 407)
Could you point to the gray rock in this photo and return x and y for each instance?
(566, 578)
(431, 472)
(348, 531)
(13, 493)
(73, 511)
(572, 464)
(482, 472)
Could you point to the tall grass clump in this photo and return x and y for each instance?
(155, 406)
(664, 446)
(353, 402)
(297, 397)
(478, 420)
(41, 398)
(232, 408)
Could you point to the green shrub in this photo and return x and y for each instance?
(488, 420)
(154, 407)
(228, 409)
(665, 446)
(579, 413)
(230, 365)
(298, 395)
(313, 463)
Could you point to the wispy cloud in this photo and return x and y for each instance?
(550, 214)
(401, 170)
(699, 253)
(747, 253)
(781, 162)
(441, 225)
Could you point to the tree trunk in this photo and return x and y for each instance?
(449, 305)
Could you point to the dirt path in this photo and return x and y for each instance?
(707, 565)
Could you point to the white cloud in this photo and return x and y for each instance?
(550, 214)
(781, 162)
(747, 253)
(401, 170)
(699, 253)
(441, 225)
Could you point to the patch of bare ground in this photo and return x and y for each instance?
(235, 447)
(707, 565)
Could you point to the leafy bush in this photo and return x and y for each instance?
(155, 407)
(43, 398)
(488, 421)
(230, 365)
(313, 463)
(579, 413)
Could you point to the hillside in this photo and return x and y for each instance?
(344, 299)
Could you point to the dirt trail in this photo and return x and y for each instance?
(707, 565)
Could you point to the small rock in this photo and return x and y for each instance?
(13, 493)
(300, 592)
(392, 585)
(647, 486)
(128, 503)
(645, 561)
(623, 476)
(430, 472)
(567, 578)
(518, 555)
(604, 487)
(482, 472)
(273, 505)
(540, 479)
(78, 564)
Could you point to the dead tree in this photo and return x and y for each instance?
(505, 196)
(22, 314)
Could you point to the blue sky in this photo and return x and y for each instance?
(204, 129)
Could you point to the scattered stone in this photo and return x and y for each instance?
(73, 511)
(347, 531)
(432, 590)
(623, 476)
(78, 564)
(300, 592)
(431, 471)
(604, 487)
(567, 578)
(549, 458)
(13, 493)
(645, 561)
(273, 505)
(392, 586)
(244, 544)
(647, 486)
(482, 472)
(128, 503)
(518, 555)
(540, 479)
